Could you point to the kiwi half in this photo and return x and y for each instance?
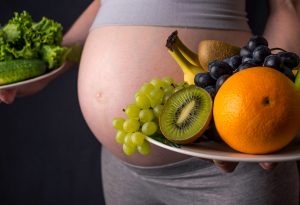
(186, 115)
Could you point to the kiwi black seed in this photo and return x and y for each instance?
(186, 115)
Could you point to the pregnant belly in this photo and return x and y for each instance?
(116, 61)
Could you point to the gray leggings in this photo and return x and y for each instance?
(194, 181)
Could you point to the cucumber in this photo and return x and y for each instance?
(12, 71)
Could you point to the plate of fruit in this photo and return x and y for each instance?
(235, 104)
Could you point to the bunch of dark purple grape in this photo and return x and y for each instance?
(255, 53)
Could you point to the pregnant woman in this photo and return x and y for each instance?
(124, 46)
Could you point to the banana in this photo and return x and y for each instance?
(174, 41)
(189, 70)
(297, 80)
(185, 58)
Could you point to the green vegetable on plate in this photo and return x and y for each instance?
(20, 69)
(23, 38)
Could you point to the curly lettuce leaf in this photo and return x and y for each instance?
(26, 52)
(2, 37)
(23, 38)
(17, 26)
(49, 32)
(74, 54)
(4, 53)
(54, 56)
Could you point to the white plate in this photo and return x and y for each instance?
(221, 151)
(31, 80)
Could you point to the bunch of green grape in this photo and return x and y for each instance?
(142, 115)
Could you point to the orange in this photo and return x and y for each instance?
(257, 111)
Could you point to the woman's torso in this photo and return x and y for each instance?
(117, 60)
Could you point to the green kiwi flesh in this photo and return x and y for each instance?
(186, 115)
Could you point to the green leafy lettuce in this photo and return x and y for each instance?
(23, 38)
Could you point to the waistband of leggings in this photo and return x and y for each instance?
(176, 168)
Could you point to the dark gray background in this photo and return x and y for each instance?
(47, 153)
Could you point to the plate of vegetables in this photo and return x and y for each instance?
(30, 50)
